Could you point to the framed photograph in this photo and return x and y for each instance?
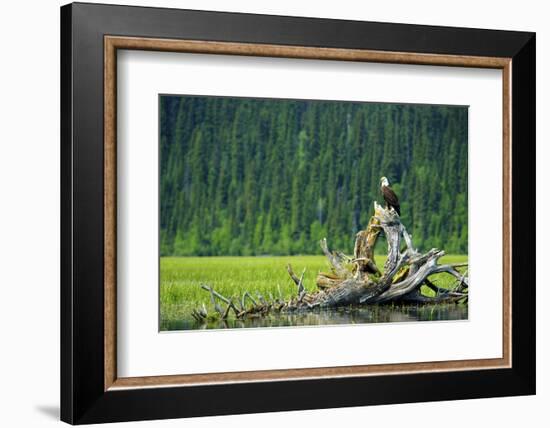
(265, 213)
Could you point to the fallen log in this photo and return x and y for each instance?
(357, 280)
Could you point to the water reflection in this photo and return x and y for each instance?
(348, 315)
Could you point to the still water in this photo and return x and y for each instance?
(348, 315)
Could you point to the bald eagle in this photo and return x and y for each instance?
(389, 195)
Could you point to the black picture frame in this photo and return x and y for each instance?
(83, 398)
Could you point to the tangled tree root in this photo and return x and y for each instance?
(356, 280)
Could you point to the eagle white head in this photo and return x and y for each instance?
(384, 182)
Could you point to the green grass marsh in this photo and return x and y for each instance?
(181, 278)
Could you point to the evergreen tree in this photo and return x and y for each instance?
(245, 176)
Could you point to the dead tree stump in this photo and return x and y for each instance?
(357, 280)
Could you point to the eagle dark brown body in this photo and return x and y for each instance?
(389, 195)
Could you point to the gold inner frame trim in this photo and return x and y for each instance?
(113, 43)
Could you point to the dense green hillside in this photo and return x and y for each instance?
(251, 176)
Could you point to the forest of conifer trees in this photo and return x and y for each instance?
(242, 176)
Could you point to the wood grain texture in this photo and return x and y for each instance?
(303, 52)
(297, 374)
(112, 43)
(507, 213)
(110, 223)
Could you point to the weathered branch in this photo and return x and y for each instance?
(364, 250)
(229, 302)
(335, 261)
(457, 265)
(357, 280)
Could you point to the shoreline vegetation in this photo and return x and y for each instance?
(181, 279)
(244, 177)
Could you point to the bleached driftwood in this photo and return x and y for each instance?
(357, 280)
